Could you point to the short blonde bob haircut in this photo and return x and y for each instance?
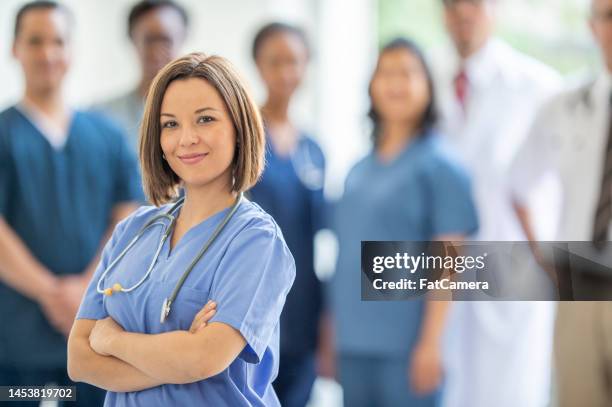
(159, 181)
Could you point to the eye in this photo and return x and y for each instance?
(170, 124)
(206, 119)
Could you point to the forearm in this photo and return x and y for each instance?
(522, 213)
(106, 372)
(434, 321)
(18, 267)
(179, 357)
(172, 357)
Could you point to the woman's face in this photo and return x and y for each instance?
(399, 89)
(281, 61)
(197, 134)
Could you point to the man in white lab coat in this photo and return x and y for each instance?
(572, 139)
(497, 353)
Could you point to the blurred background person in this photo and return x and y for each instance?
(66, 177)
(157, 30)
(572, 138)
(499, 352)
(291, 190)
(406, 188)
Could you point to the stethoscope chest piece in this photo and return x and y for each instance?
(165, 311)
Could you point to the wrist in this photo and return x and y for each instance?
(44, 287)
(113, 344)
(429, 342)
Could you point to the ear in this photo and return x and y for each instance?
(14, 49)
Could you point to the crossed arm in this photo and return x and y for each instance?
(101, 353)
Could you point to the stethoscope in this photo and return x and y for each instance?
(309, 173)
(159, 220)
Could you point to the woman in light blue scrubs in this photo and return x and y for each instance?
(219, 344)
(407, 188)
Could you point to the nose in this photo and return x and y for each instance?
(188, 136)
(47, 53)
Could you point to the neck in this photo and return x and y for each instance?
(276, 110)
(394, 136)
(203, 202)
(49, 102)
(465, 51)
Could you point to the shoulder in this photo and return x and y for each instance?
(98, 119)
(6, 116)
(439, 159)
(526, 69)
(116, 103)
(359, 171)
(362, 165)
(566, 102)
(99, 125)
(250, 217)
(256, 232)
(311, 143)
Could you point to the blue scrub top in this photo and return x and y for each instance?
(291, 190)
(59, 202)
(418, 196)
(248, 271)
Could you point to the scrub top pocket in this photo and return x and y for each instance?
(184, 308)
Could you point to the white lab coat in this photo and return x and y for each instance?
(496, 353)
(568, 142)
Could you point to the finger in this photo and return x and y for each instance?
(206, 318)
(201, 321)
(209, 305)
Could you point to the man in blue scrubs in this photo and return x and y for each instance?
(66, 178)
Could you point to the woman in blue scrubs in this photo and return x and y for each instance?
(202, 131)
(407, 188)
(291, 190)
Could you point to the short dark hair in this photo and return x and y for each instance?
(37, 5)
(430, 117)
(145, 6)
(274, 28)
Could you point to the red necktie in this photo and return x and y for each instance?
(461, 88)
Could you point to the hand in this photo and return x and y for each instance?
(53, 307)
(326, 350)
(202, 317)
(425, 370)
(72, 289)
(103, 334)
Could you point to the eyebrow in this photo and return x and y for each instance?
(203, 109)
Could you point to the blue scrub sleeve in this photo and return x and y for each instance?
(92, 306)
(317, 199)
(128, 186)
(6, 176)
(452, 205)
(251, 284)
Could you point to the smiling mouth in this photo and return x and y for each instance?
(192, 158)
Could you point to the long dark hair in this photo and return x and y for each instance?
(430, 117)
